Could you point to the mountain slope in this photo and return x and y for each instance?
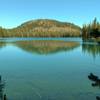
(44, 28)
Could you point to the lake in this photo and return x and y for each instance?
(49, 68)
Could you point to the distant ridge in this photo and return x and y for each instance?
(49, 23)
(42, 28)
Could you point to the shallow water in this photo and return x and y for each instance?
(49, 69)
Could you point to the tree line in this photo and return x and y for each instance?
(42, 28)
(91, 30)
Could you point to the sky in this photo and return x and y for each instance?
(15, 12)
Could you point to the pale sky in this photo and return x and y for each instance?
(15, 12)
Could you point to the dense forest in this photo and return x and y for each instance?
(91, 30)
(53, 28)
(42, 28)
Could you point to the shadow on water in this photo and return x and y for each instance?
(93, 49)
(2, 85)
(44, 46)
(95, 82)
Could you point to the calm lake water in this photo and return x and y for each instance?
(49, 68)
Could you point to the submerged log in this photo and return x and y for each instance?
(5, 97)
(93, 77)
(97, 97)
(2, 95)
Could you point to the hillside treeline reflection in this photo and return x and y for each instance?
(2, 44)
(43, 46)
(46, 46)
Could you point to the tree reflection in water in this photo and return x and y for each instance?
(43, 47)
(96, 82)
(2, 95)
(46, 46)
(2, 44)
(93, 49)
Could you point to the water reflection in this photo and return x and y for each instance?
(93, 49)
(2, 44)
(43, 46)
(2, 95)
(46, 46)
(96, 82)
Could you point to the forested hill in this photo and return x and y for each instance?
(42, 28)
